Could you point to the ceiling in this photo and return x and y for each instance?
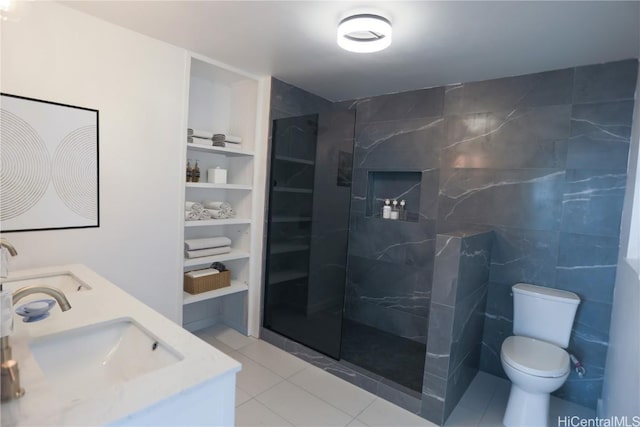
(434, 43)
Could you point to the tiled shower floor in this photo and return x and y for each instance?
(398, 359)
(277, 389)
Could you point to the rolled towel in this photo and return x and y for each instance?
(211, 242)
(204, 215)
(217, 214)
(208, 252)
(194, 207)
(219, 144)
(190, 216)
(216, 205)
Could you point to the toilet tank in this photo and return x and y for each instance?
(544, 313)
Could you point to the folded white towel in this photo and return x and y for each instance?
(188, 205)
(208, 252)
(216, 205)
(233, 139)
(203, 272)
(215, 136)
(198, 141)
(211, 242)
(198, 133)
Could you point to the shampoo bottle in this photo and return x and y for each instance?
(189, 171)
(395, 213)
(386, 209)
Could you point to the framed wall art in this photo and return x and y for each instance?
(49, 165)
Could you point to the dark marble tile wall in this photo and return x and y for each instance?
(542, 159)
(390, 263)
(456, 320)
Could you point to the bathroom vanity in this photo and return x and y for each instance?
(111, 360)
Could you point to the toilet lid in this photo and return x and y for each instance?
(535, 357)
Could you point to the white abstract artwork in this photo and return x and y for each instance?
(49, 176)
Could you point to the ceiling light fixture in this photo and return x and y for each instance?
(364, 33)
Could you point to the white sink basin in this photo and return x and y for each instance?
(81, 361)
(66, 282)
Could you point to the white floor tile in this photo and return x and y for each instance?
(331, 389)
(214, 342)
(241, 396)
(301, 408)
(254, 413)
(495, 411)
(464, 417)
(384, 414)
(480, 392)
(279, 361)
(228, 336)
(357, 423)
(253, 378)
(561, 408)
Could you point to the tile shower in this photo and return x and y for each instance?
(519, 179)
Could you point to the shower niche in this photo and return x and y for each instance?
(394, 185)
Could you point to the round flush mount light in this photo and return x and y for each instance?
(364, 33)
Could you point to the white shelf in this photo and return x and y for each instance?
(217, 186)
(285, 276)
(236, 286)
(212, 222)
(229, 151)
(192, 262)
(293, 190)
(295, 160)
(284, 248)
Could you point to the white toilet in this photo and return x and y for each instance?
(534, 359)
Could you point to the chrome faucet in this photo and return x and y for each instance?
(4, 269)
(6, 244)
(9, 372)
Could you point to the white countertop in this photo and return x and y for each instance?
(41, 406)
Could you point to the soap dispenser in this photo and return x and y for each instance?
(386, 209)
(395, 212)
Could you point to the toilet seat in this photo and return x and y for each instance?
(535, 357)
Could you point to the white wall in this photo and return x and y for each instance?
(621, 390)
(58, 54)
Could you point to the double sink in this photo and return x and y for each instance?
(108, 359)
(80, 361)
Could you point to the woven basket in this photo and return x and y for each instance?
(207, 283)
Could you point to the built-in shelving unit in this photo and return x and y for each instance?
(228, 101)
(291, 198)
(231, 256)
(286, 248)
(218, 186)
(236, 286)
(216, 222)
